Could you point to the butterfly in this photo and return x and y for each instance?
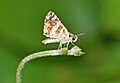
(57, 32)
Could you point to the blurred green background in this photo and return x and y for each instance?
(21, 33)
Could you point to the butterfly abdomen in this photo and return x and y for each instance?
(50, 40)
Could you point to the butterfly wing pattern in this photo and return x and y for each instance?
(56, 31)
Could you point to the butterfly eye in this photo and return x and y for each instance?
(74, 39)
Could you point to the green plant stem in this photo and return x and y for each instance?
(75, 51)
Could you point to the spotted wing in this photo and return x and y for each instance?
(53, 28)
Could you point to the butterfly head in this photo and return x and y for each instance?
(76, 37)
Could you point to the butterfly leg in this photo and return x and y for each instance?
(60, 46)
(66, 45)
(73, 44)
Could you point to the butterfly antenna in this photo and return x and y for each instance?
(80, 34)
